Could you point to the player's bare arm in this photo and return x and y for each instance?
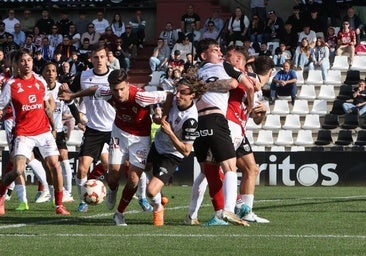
(183, 148)
(49, 106)
(223, 85)
(67, 95)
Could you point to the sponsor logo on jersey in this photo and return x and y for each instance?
(32, 99)
(20, 89)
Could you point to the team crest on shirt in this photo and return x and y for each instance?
(20, 89)
(134, 109)
(37, 86)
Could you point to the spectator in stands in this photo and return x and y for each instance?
(91, 34)
(45, 23)
(249, 47)
(275, 27)
(189, 63)
(331, 42)
(185, 47)
(302, 55)
(331, 13)
(189, 17)
(113, 62)
(264, 50)
(64, 75)
(258, 7)
(38, 62)
(84, 49)
(216, 19)
(315, 22)
(237, 27)
(355, 23)
(160, 57)
(284, 83)
(57, 60)
(64, 23)
(290, 38)
(76, 65)
(320, 57)
(176, 61)
(74, 36)
(169, 34)
(100, 23)
(281, 55)
(28, 44)
(82, 22)
(211, 32)
(10, 45)
(346, 42)
(10, 21)
(359, 100)
(309, 34)
(138, 24)
(66, 48)
(195, 34)
(296, 19)
(3, 67)
(121, 55)
(117, 25)
(55, 37)
(46, 49)
(130, 41)
(110, 38)
(256, 29)
(19, 35)
(27, 21)
(37, 37)
(3, 33)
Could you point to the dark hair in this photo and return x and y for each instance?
(204, 44)
(117, 76)
(263, 64)
(18, 54)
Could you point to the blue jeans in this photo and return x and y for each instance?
(349, 107)
(287, 90)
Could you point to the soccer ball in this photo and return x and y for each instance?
(93, 192)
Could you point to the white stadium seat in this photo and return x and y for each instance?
(314, 77)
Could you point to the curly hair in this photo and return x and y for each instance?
(191, 80)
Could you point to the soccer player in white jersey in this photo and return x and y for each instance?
(49, 73)
(100, 117)
(173, 141)
(237, 115)
(214, 134)
(33, 107)
(130, 133)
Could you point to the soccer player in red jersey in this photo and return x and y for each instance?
(33, 107)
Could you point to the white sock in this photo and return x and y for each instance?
(156, 200)
(230, 190)
(79, 184)
(67, 173)
(198, 192)
(141, 189)
(22, 193)
(39, 171)
(12, 186)
(248, 199)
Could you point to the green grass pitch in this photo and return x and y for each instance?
(303, 221)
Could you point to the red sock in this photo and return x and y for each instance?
(127, 195)
(58, 197)
(214, 177)
(40, 186)
(98, 171)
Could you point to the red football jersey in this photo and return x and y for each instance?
(27, 99)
